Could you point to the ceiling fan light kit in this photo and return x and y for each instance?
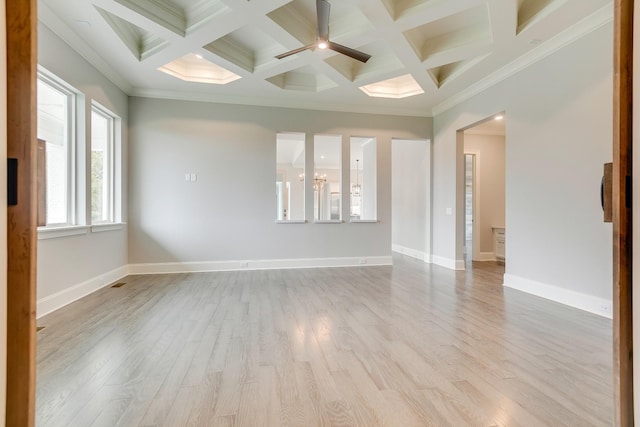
(323, 9)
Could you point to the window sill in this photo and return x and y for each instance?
(66, 231)
(292, 221)
(328, 221)
(363, 221)
(107, 226)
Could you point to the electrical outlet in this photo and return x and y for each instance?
(244, 264)
(363, 261)
(605, 308)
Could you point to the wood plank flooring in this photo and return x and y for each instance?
(408, 345)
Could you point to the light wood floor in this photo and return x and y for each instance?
(412, 345)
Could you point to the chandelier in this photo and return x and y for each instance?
(318, 180)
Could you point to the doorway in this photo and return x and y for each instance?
(469, 210)
(483, 222)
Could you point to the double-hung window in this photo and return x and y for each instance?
(103, 152)
(56, 126)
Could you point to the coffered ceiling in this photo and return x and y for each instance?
(425, 54)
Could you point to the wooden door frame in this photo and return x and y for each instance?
(21, 39)
(622, 213)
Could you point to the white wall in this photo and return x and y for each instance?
(69, 267)
(3, 217)
(489, 187)
(229, 213)
(411, 198)
(559, 134)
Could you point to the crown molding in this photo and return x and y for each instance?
(587, 25)
(48, 18)
(275, 102)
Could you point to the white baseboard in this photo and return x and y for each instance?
(268, 264)
(58, 300)
(592, 304)
(449, 263)
(452, 264)
(413, 253)
(486, 256)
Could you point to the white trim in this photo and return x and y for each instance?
(56, 232)
(107, 226)
(203, 96)
(74, 125)
(291, 221)
(413, 253)
(589, 24)
(267, 264)
(53, 22)
(58, 300)
(363, 221)
(590, 303)
(486, 256)
(328, 221)
(449, 263)
(110, 158)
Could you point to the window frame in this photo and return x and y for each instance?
(355, 139)
(339, 140)
(111, 153)
(298, 178)
(73, 98)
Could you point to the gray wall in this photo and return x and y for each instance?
(229, 212)
(558, 136)
(70, 261)
(411, 198)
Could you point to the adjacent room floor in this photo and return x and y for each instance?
(408, 345)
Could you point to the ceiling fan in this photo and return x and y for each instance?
(323, 9)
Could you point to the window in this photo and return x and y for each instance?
(103, 149)
(290, 176)
(363, 179)
(56, 124)
(327, 160)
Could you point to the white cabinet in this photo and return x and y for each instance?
(498, 242)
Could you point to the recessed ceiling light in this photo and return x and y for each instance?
(322, 157)
(190, 68)
(397, 87)
(499, 117)
(198, 56)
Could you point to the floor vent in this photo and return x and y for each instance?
(118, 285)
(39, 328)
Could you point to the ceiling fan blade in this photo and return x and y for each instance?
(323, 9)
(355, 54)
(294, 51)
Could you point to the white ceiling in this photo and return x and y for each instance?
(451, 48)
